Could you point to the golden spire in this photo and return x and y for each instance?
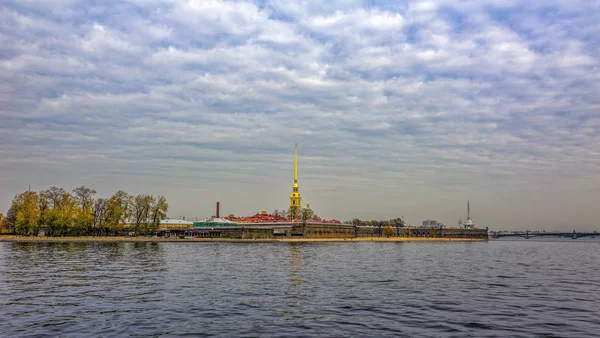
(295, 165)
(295, 199)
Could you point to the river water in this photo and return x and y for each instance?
(436, 289)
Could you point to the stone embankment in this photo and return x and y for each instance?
(30, 239)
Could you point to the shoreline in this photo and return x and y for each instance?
(122, 239)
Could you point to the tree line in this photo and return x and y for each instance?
(58, 212)
(393, 223)
(300, 213)
(385, 228)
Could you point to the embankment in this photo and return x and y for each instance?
(29, 239)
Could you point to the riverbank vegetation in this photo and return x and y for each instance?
(57, 212)
(385, 227)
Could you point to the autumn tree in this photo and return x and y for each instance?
(388, 231)
(10, 219)
(84, 197)
(398, 222)
(27, 213)
(99, 215)
(140, 211)
(117, 211)
(55, 195)
(62, 213)
(2, 223)
(60, 219)
(294, 213)
(45, 204)
(307, 214)
(158, 211)
(432, 232)
(378, 225)
(83, 217)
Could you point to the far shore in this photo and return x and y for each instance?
(32, 239)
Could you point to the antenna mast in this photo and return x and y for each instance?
(468, 209)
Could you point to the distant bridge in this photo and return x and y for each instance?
(531, 234)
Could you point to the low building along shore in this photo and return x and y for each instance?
(314, 230)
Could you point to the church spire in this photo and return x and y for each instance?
(296, 165)
(468, 209)
(295, 199)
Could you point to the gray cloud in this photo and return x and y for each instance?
(398, 108)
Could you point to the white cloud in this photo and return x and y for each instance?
(430, 102)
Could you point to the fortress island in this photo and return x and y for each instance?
(298, 224)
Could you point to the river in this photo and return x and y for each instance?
(439, 289)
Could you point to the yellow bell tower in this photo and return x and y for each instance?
(295, 211)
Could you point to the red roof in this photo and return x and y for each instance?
(269, 218)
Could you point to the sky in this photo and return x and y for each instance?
(399, 108)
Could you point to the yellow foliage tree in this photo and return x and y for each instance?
(27, 213)
(2, 223)
(117, 212)
(62, 213)
(158, 211)
(432, 232)
(388, 231)
(60, 219)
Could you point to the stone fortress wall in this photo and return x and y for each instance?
(319, 230)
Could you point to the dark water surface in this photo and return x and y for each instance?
(489, 289)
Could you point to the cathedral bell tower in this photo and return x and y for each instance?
(295, 211)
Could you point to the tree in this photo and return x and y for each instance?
(84, 196)
(82, 220)
(55, 195)
(356, 222)
(140, 208)
(2, 223)
(294, 213)
(307, 214)
(158, 208)
(378, 225)
(398, 223)
(61, 219)
(56, 223)
(11, 219)
(27, 213)
(117, 211)
(99, 215)
(388, 231)
(84, 217)
(44, 203)
(432, 232)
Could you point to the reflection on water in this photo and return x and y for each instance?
(296, 281)
(490, 289)
(296, 264)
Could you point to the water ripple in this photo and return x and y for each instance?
(494, 289)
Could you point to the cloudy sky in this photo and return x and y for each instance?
(399, 108)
